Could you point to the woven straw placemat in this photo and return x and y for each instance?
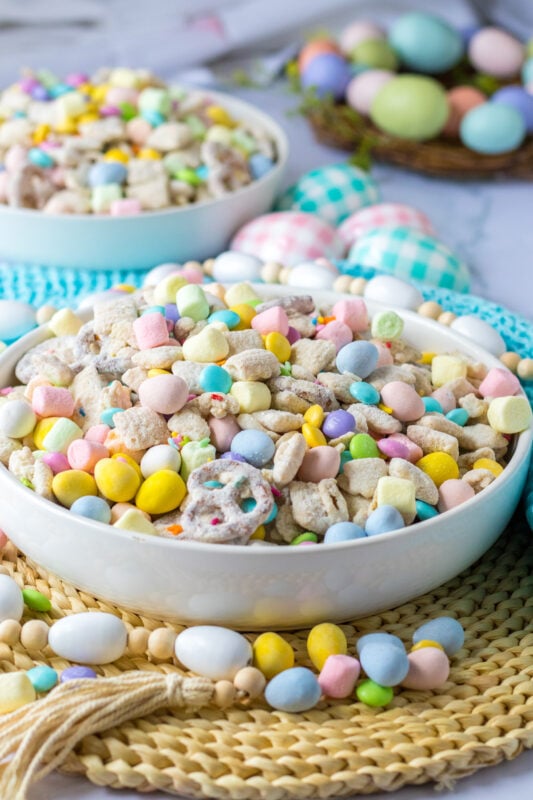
(482, 715)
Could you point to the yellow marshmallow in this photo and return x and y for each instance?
(509, 414)
(447, 368)
(251, 396)
(65, 323)
(239, 293)
(399, 493)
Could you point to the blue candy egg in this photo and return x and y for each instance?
(360, 358)
(230, 318)
(384, 663)
(43, 678)
(516, 97)
(384, 519)
(458, 415)
(409, 254)
(215, 379)
(93, 508)
(294, 690)
(444, 630)
(332, 193)
(328, 74)
(155, 118)
(255, 446)
(260, 165)
(431, 405)
(425, 511)
(343, 532)
(40, 157)
(107, 415)
(365, 393)
(16, 319)
(383, 638)
(426, 43)
(107, 172)
(492, 128)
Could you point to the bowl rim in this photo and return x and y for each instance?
(521, 453)
(273, 128)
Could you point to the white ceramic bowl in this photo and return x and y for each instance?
(254, 588)
(201, 230)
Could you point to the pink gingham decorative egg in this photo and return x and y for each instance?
(288, 237)
(382, 215)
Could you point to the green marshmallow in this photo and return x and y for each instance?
(194, 455)
(102, 196)
(154, 99)
(387, 326)
(192, 302)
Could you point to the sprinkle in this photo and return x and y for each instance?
(27, 483)
(216, 397)
(388, 344)
(275, 492)
(204, 442)
(81, 412)
(386, 409)
(215, 521)
(175, 530)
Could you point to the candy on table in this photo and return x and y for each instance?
(11, 599)
(214, 652)
(89, 638)
(137, 147)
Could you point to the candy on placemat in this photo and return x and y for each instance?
(293, 690)
(272, 654)
(89, 638)
(11, 599)
(384, 663)
(214, 652)
(447, 631)
(325, 640)
(338, 676)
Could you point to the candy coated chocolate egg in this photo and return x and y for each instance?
(447, 631)
(233, 266)
(406, 403)
(496, 52)
(11, 600)
(480, 332)
(453, 493)
(383, 638)
(492, 129)
(375, 54)
(363, 88)
(358, 32)
(410, 107)
(214, 652)
(428, 669)
(89, 638)
(293, 690)
(16, 319)
(359, 357)
(332, 193)
(384, 663)
(328, 74)
(337, 423)
(311, 275)
(460, 100)
(516, 97)
(410, 254)
(390, 290)
(319, 463)
(287, 237)
(381, 215)
(165, 394)
(343, 532)
(317, 47)
(426, 43)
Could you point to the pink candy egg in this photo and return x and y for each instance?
(452, 493)
(359, 32)
(460, 100)
(319, 463)
(398, 445)
(339, 675)
(317, 47)
(446, 398)
(496, 52)
(165, 394)
(429, 668)
(406, 403)
(222, 432)
(288, 237)
(363, 88)
(379, 216)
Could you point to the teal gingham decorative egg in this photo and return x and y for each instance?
(332, 193)
(412, 255)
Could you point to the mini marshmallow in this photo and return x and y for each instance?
(399, 493)
(339, 675)
(151, 330)
(52, 401)
(273, 319)
(509, 414)
(447, 368)
(499, 382)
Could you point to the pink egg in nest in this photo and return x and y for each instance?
(288, 237)
(460, 100)
(359, 32)
(363, 88)
(382, 215)
(317, 47)
(496, 52)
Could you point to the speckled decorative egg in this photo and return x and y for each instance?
(362, 89)
(375, 54)
(410, 107)
(496, 52)
(332, 193)
(516, 97)
(460, 100)
(426, 43)
(359, 32)
(492, 129)
(410, 254)
(288, 237)
(382, 215)
(328, 73)
(317, 47)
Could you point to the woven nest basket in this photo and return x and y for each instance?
(340, 126)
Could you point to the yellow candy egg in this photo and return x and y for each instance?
(490, 464)
(220, 116)
(439, 466)
(99, 93)
(259, 533)
(71, 484)
(426, 643)
(88, 117)
(116, 154)
(116, 480)
(314, 416)
(246, 314)
(272, 654)
(163, 491)
(149, 153)
(313, 436)
(40, 133)
(278, 344)
(325, 640)
(42, 429)
(152, 373)
(129, 460)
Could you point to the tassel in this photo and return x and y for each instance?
(37, 738)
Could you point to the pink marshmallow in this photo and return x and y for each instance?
(399, 442)
(452, 493)
(337, 332)
(52, 401)
(273, 319)
(97, 433)
(499, 382)
(84, 454)
(58, 462)
(222, 432)
(150, 330)
(339, 675)
(446, 398)
(353, 312)
(125, 207)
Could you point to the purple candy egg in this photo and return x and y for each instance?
(39, 93)
(393, 449)
(73, 673)
(233, 456)
(337, 423)
(293, 335)
(110, 111)
(171, 312)
(27, 84)
(517, 98)
(328, 73)
(77, 79)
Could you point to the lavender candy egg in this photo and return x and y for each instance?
(75, 673)
(337, 423)
(327, 74)
(517, 98)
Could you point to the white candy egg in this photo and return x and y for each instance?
(11, 600)
(310, 275)
(17, 419)
(213, 652)
(480, 332)
(235, 266)
(393, 292)
(89, 638)
(161, 456)
(16, 319)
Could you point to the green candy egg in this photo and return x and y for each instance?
(410, 107)
(375, 54)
